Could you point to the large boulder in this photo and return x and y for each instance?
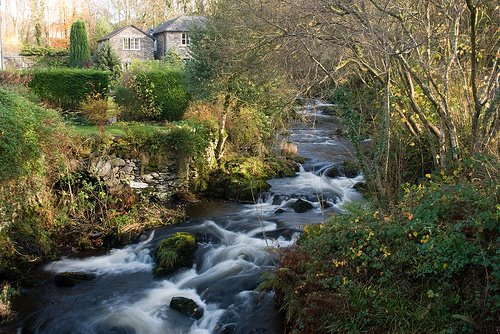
(301, 206)
(175, 252)
(70, 278)
(187, 306)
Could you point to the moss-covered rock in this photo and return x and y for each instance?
(244, 179)
(175, 252)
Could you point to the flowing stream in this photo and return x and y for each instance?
(234, 249)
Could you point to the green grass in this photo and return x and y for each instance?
(114, 130)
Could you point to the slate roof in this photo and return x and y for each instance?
(116, 32)
(180, 24)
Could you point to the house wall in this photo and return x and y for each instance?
(168, 40)
(127, 56)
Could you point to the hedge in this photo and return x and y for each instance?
(67, 88)
(154, 93)
(170, 96)
(23, 126)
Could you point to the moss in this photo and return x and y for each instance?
(243, 179)
(175, 252)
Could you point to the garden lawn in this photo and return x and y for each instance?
(114, 129)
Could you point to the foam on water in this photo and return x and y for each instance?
(131, 258)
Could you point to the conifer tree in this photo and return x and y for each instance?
(106, 58)
(79, 51)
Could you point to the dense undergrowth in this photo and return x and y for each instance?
(49, 202)
(429, 265)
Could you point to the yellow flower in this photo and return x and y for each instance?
(385, 250)
(428, 175)
(425, 239)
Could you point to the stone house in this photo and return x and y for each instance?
(173, 34)
(130, 43)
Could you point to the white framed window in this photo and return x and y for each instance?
(130, 43)
(184, 39)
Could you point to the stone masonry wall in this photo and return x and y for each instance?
(127, 56)
(161, 185)
(171, 40)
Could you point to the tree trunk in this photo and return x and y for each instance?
(222, 134)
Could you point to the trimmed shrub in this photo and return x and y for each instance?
(158, 92)
(20, 126)
(42, 50)
(68, 88)
(185, 139)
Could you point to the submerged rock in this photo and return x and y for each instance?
(187, 306)
(325, 204)
(347, 169)
(70, 278)
(334, 171)
(301, 206)
(175, 252)
(228, 329)
(279, 211)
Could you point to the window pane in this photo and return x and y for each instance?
(184, 39)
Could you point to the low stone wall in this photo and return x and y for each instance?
(118, 172)
(18, 62)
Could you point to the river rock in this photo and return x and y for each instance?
(175, 252)
(128, 169)
(118, 162)
(228, 329)
(278, 199)
(148, 178)
(105, 169)
(324, 204)
(301, 206)
(227, 322)
(279, 211)
(187, 306)
(70, 278)
(334, 171)
(138, 185)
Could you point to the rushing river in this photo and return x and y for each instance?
(235, 249)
